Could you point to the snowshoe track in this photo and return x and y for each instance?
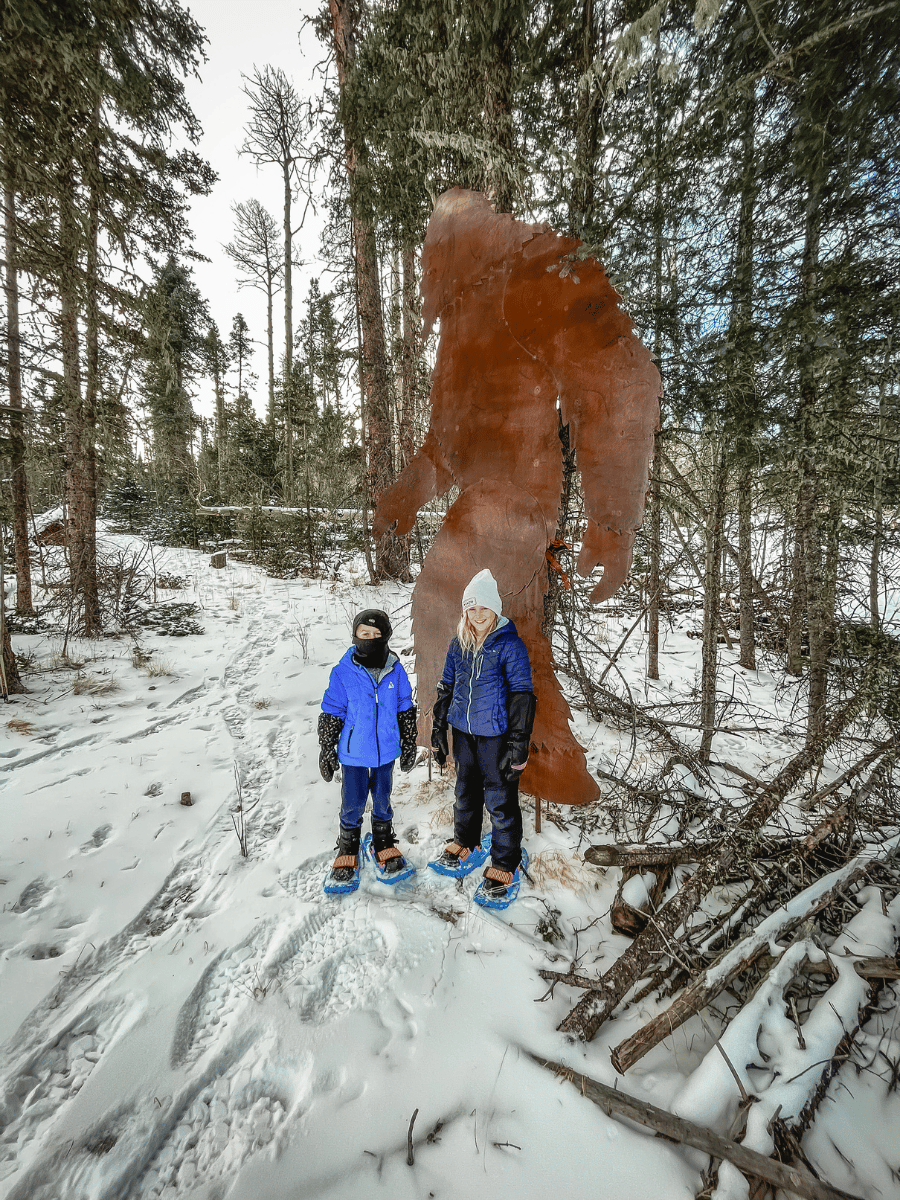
(223, 989)
(213, 1135)
(52, 1075)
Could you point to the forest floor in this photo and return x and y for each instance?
(181, 1020)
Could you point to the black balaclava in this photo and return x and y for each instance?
(372, 652)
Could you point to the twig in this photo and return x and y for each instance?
(410, 1155)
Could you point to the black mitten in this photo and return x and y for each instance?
(520, 710)
(329, 735)
(439, 743)
(406, 722)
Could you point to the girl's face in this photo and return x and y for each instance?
(481, 619)
(367, 633)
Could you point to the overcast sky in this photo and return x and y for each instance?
(243, 35)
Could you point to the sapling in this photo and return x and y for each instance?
(240, 814)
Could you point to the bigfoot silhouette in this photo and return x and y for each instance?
(526, 325)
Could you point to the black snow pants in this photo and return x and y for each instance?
(479, 785)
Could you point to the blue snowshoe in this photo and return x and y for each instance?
(457, 862)
(344, 874)
(499, 888)
(380, 847)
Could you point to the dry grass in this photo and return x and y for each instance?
(58, 661)
(161, 668)
(233, 603)
(431, 790)
(27, 660)
(95, 685)
(442, 817)
(558, 867)
(18, 725)
(263, 703)
(169, 582)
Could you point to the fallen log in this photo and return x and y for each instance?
(652, 855)
(866, 968)
(616, 1103)
(713, 981)
(860, 765)
(653, 944)
(646, 856)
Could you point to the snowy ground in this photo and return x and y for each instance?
(181, 1021)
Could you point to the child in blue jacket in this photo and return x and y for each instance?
(367, 721)
(486, 695)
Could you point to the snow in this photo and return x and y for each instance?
(180, 1021)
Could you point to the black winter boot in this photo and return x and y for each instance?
(347, 846)
(384, 846)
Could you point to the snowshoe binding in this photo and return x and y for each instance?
(457, 862)
(380, 846)
(344, 874)
(499, 888)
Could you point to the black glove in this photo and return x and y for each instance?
(520, 710)
(439, 743)
(406, 722)
(329, 735)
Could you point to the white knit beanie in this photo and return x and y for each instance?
(483, 591)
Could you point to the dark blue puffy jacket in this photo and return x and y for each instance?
(481, 681)
(370, 737)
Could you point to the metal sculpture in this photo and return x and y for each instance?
(530, 333)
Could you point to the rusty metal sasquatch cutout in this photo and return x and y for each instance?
(525, 325)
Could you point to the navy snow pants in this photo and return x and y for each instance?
(479, 785)
(355, 788)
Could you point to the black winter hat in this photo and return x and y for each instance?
(376, 618)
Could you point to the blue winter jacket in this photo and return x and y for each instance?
(370, 737)
(481, 681)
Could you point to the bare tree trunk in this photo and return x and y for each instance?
(794, 658)
(745, 563)
(10, 683)
(499, 132)
(808, 531)
(288, 337)
(655, 497)
(79, 463)
(86, 517)
(712, 588)
(587, 123)
(24, 603)
(270, 345)
(391, 552)
(743, 385)
(412, 325)
(877, 499)
(653, 584)
(221, 443)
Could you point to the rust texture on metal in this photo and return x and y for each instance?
(526, 325)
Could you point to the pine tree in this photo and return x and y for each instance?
(90, 93)
(176, 318)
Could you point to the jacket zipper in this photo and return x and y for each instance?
(377, 745)
(474, 676)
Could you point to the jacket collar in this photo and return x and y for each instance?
(502, 623)
(390, 662)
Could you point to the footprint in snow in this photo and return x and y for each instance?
(101, 835)
(32, 896)
(51, 1076)
(213, 1136)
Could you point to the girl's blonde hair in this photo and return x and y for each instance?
(467, 637)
